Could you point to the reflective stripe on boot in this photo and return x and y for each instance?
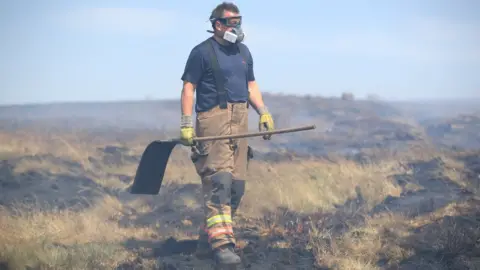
(220, 230)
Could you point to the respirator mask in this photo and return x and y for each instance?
(236, 34)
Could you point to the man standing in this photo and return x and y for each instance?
(220, 71)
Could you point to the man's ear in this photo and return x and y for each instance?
(218, 26)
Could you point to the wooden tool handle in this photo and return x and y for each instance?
(254, 134)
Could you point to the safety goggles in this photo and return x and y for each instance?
(230, 21)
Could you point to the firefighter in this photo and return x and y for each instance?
(219, 71)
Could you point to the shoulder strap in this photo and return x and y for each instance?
(219, 79)
(243, 52)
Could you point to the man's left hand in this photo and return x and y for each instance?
(266, 123)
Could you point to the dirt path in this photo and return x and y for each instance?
(426, 189)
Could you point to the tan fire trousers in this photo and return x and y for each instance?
(222, 166)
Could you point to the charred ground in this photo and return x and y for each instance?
(378, 185)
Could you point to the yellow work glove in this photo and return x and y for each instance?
(266, 122)
(187, 132)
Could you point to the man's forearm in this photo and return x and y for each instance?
(187, 99)
(255, 98)
(187, 103)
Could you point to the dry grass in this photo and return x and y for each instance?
(311, 186)
(318, 190)
(65, 239)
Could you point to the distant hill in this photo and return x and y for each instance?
(345, 126)
(165, 113)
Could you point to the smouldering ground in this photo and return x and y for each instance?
(65, 207)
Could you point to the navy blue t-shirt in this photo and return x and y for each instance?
(236, 71)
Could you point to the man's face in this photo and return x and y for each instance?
(229, 21)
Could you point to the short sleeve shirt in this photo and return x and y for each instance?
(236, 70)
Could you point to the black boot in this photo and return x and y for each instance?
(225, 256)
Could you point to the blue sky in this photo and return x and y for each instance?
(119, 50)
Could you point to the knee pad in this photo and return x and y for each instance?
(249, 153)
(238, 190)
(222, 186)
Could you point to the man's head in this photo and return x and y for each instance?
(226, 20)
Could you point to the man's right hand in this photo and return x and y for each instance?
(186, 136)
(187, 132)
